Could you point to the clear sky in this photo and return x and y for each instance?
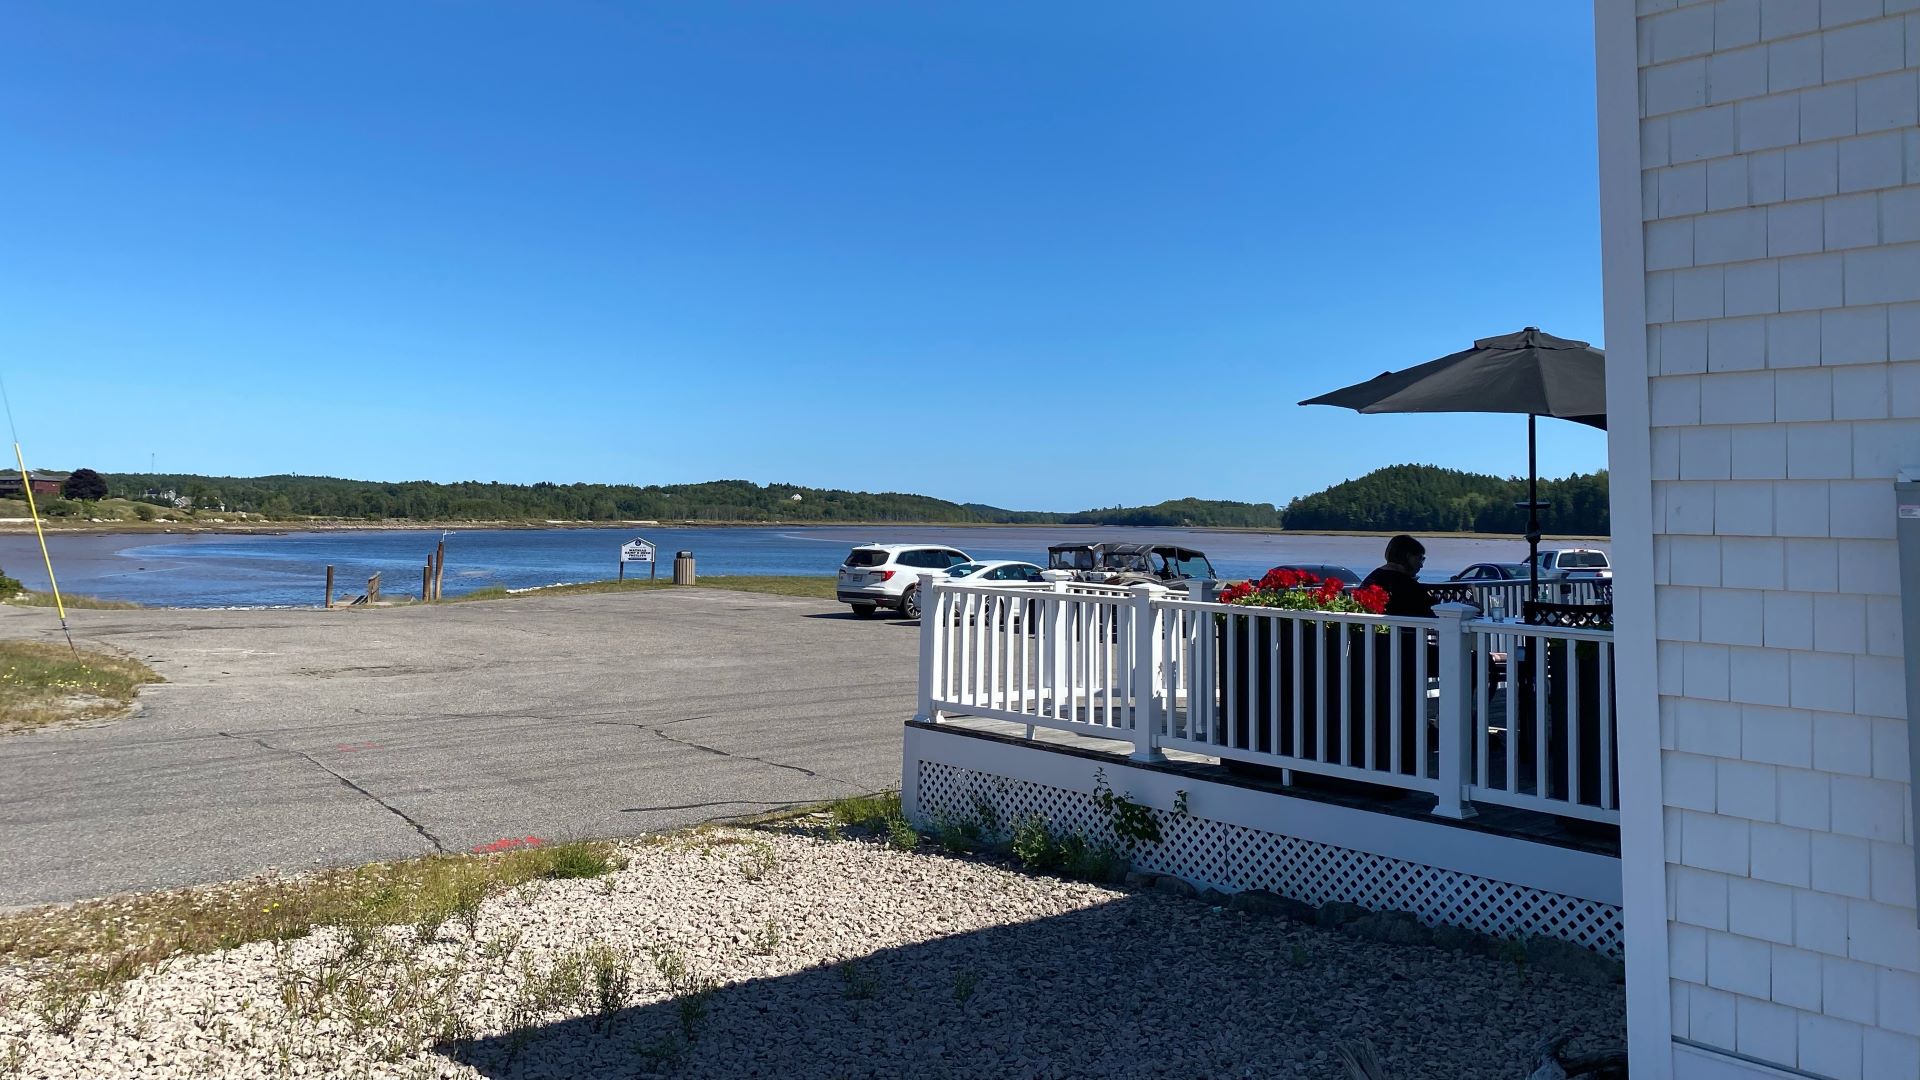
(1047, 256)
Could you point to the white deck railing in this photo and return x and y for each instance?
(1509, 596)
(1461, 708)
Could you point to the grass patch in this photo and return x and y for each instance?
(871, 812)
(879, 815)
(92, 603)
(44, 684)
(98, 943)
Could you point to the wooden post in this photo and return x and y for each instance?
(426, 582)
(329, 586)
(373, 588)
(439, 568)
(653, 567)
(623, 570)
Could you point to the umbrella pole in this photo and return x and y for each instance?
(1533, 515)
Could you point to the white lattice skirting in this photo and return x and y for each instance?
(1201, 847)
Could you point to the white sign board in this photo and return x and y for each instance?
(636, 550)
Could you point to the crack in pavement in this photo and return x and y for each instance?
(438, 847)
(657, 729)
(704, 805)
(749, 757)
(641, 725)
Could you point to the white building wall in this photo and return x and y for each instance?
(1779, 168)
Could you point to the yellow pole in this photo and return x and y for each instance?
(26, 482)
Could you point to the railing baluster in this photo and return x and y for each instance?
(1573, 723)
(1395, 712)
(1367, 647)
(1203, 678)
(1540, 715)
(995, 644)
(1297, 629)
(1229, 708)
(1273, 684)
(1321, 749)
(1420, 722)
(1606, 725)
(1169, 622)
(1344, 656)
(1483, 715)
(1515, 667)
(1107, 650)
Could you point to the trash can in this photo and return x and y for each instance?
(683, 568)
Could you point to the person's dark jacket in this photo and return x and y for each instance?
(1406, 597)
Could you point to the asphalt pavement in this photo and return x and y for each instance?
(295, 739)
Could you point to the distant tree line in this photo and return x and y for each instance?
(1404, 498)
(1423, 498)
(296, 497)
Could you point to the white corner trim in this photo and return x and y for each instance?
(1643, 870)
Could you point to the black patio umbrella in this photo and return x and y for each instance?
(1529, 372)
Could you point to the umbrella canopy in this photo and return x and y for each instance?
(1529, 372)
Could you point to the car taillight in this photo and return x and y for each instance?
(884, 575)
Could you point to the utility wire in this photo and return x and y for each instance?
(26, 486)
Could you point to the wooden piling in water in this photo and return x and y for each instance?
(329, 586)
(426, 581)
(373, 588)
(439, 568)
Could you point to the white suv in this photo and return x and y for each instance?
(1575, 564)
(888, 575)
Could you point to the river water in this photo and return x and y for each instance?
(232, 570)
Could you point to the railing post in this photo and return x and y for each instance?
(932, 621)
(1146, 711)
(1456, 711)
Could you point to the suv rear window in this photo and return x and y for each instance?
(1583, 560)
(865, 557)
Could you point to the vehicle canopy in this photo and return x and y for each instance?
(1165, 561)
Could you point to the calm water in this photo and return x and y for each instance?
(218, 570)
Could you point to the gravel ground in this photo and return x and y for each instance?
(738, 953)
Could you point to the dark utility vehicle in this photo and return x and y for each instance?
(1130, 564)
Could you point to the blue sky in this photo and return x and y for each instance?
(1046, 256)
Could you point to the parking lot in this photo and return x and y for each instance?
(300, 738)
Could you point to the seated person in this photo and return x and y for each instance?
(1400, 578)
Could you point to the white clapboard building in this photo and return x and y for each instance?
(1760, 189)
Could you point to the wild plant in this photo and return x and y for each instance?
(856, 982)
(1033, 844)
(766, 939)
(759, 861)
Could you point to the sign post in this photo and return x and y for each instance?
(638, 550)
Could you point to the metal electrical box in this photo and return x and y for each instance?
(1906, 526)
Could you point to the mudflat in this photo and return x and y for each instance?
(293, 739)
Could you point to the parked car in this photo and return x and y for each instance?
(1006, 573)
(1575, 564)
(1325, 572)
(1129, 564)
(995, 572)
(876, 576)
(1493, 571)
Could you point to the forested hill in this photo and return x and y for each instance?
(297, 497)
(1423, 498)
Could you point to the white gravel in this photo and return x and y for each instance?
(753, 953)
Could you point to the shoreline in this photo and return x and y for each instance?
(283, 528)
